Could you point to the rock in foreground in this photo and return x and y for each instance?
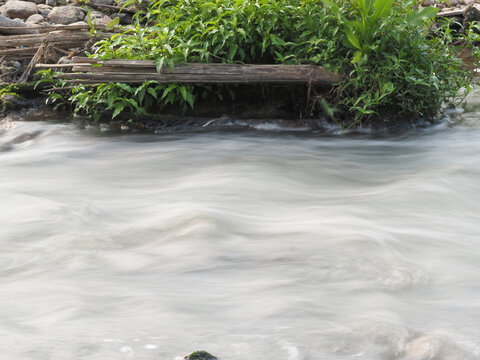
(200, 355)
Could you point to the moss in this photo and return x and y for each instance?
(14, 96)
(200, 355)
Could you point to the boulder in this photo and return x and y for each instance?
(14, 27)
(51, 2)
(101, 2)
(79, 23)
(125, 19)
(104, 20)
(35, 19)
(42, 7)
(44, 10)
(18, 9)
(471, 14)
(96, 15)
(200, 355)
(65, 15)
(13, 102)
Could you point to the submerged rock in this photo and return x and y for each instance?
(200, 355)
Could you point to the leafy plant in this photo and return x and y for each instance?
(385, 48)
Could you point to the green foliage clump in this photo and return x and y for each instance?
(385, 48)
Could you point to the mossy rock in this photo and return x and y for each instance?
(200, 355)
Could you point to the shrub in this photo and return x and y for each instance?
(385, 48)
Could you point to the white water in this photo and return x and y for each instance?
(251, 245)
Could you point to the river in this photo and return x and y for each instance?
(281, 245)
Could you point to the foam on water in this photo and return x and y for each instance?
(258, 245)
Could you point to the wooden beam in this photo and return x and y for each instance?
(137, 71)
(452, 13)
(60, 38)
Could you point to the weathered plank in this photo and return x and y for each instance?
(61, 38)
(136, 71)
(452, 13)
(38, 55)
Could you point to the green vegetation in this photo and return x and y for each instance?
(392, 62)
(14, 95)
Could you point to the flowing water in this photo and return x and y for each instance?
(249, 244)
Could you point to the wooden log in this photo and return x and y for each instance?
(114, 8)
(57, 38)
(144, 67)
(22, 52)
(55, 66)
(216, 74)
(38, 55)
(75, 27)
(451, 13)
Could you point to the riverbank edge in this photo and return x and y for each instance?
(17, 96)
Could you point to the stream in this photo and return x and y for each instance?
(250, 244)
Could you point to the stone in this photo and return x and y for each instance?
(65, 15)
(105, 20)
(125, 19)
(96, 15)
(200, 355)
(12, 102)
(42, 7)
(35, 19)
(82, 12)
(51, 2)
(14, 27)
(44, 10)
(101, 2)
(426, 3)
(471, 14)
(19, 9)
(78, 23)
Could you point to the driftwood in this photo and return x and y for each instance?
(54, 38)
(452, 13)
(87, 70)
(117, 9)
(38, 55)
(47, 45)
(62, 38)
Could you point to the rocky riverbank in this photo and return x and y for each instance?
(22, 17)
(29, 21)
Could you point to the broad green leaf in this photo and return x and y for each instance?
(168, 90)
(356, 57)
(118, 110)
(125, 87)
(152, 92)
(183, 91)
(382, 9)
(417, 17)
(159, 64)
(353, 39)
